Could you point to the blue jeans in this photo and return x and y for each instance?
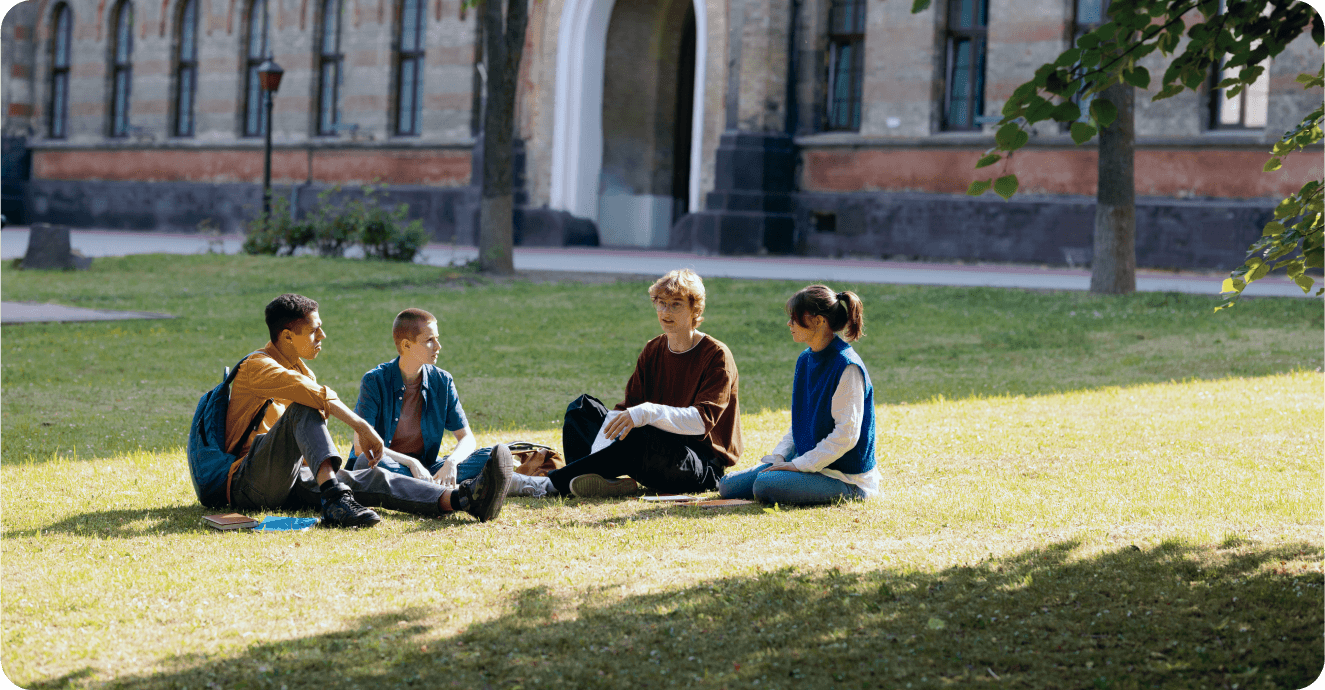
(786, 488)
(468, 469)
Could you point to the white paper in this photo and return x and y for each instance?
(600, 441)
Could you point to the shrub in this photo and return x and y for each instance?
(334, 228)
(277, 233)
(385, 238)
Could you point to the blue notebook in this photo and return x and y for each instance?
(271, 523)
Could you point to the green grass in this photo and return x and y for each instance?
(1078, 491)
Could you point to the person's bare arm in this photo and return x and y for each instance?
(416, 468)
(369, 443)
(464, 447)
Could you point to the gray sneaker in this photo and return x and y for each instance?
(597, 486)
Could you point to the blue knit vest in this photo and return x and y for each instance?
(817, 376)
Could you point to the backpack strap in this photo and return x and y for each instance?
(254, 423)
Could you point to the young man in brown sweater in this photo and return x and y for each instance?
(292, 461)
(678, 428)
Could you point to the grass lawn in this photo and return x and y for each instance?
(1079, 491)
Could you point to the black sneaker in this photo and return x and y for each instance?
(484, 495)
(339, 509)
(598, 486)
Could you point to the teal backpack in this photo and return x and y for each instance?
(209, 461)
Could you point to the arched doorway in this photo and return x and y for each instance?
(628, 115)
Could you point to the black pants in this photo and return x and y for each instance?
(662, 461)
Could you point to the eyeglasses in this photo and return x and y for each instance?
(669, 307)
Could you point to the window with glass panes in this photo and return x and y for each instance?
(64, 21)
(1090, 15)
(329, 70)
(846, 60)
(1250, 107)
(121, 70)
(186, 68)
(964, 96)
(409, 68)
(255, 116)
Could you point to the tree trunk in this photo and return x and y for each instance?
(1113, 265)
(503, 47)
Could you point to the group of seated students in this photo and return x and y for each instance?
(678, 429)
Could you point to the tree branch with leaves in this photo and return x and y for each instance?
(1246, 34)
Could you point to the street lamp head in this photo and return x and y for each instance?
(269, 75)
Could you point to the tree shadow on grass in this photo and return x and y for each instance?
(148, 522)
(1170, 616)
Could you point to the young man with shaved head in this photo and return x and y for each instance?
(293, 463)
(411, 404)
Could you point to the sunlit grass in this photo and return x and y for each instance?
(1129, 500)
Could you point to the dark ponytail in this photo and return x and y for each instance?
(843, 310)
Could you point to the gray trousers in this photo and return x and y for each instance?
(274, 476)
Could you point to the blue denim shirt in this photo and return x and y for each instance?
(383, 390)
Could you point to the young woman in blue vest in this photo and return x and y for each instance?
(829, 452)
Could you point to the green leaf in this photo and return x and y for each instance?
(1006, 186)
(1070, 56)
(1137, 76)
(919, 6)
(1082, 132)
(1067, 112)
(1006, 135)
(1088, 41)
(1020, 140)
(1305, 282)
(1041, 109)
(1229, 286)
(978, 187)
(1273, 228)
(1272, 165)
(1167, 92)
(1103, 111)
(988, 160)
(1259, 272)
(1314, 258)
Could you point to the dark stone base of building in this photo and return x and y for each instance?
(1170, 233)
(749, 210)
(451, 213)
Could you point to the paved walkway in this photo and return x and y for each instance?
(13, 244)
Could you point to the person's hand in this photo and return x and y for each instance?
(370, 445)
(446, 476)
(617, 429)
(783, 467)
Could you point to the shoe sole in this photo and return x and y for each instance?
(595, 486)
(497, 472)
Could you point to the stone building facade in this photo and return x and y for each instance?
(821, 127)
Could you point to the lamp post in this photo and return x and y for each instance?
(269, 77)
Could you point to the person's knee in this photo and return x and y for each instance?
(772, 487)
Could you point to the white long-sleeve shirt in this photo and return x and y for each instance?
(848, 410)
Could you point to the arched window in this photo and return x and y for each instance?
(255, 116)
(409, 67)
(121, 69)
(846, 60)
(186, 68)
(329, 61)
(64, 20)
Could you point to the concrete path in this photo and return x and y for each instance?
(32, 312)
(13, 244)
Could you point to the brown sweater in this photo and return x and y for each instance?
(703, 377)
